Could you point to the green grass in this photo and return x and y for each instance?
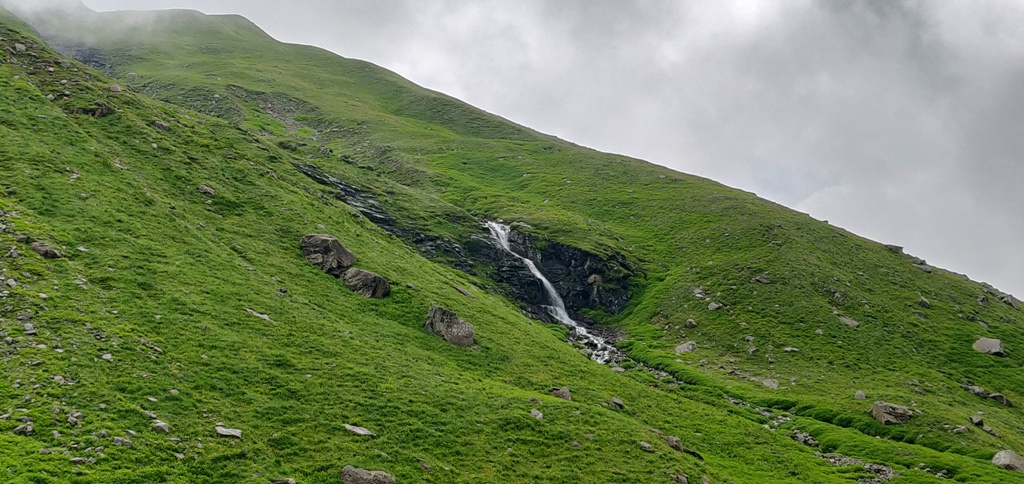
(165, 267)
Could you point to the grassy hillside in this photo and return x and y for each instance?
(159, 276)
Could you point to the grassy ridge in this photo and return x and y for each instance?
(164, 266)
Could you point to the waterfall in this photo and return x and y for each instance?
(602, 351)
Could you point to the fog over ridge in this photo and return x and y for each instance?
(902, 121)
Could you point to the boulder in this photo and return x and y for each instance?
(327, 253)
(449, 326)
(989, 345)
(687, 347)
(888, 413)
(999, 397)
(45, 250)
(355, 475)
(562, 393)
(617, 403)
(976, 421)
(1008, 459)
(367, 283)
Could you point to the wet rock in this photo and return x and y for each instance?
(355, 475)
(226, 432)
(888, 413)
(360, 431)
(1008, 459)
(989, 345)
(562, 393)
(366, 283)
(327, 253)
(687, 347)
(45, 250)
(449, 326)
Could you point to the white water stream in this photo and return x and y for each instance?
(602, 351)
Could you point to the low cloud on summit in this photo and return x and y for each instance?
(902, 121)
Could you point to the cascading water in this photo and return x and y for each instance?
(602, 351)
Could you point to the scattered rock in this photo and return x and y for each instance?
(690, 324)
(77, 460)
(107, 357)
(118, 441)
(981, 392)
(770, 383)
(1008, 459)
(983, 300)
(20, 47)
(859, 395)
(449, 326)
(360, 431)
(849, 321)
(45, 250)
(115, 88)
(999, 397)
(226, 432)
(647, 447)
(923, 267)
(258, 314)
(535, 400)
(762, 280)
(676, 444)
(327, 253)
(989, 345)
(713, 306)
(888, 413)
(355, 475)
(975, 420)
(30, 329)
(687, 347)
(924, 303)
(536, 414)
(162, 126)
(464, 292)
(960, 429)
(205, 190)
(562, 393)
(161, 427)
(617, 403)
(804, 438)
(366, 283)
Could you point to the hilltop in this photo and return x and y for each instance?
(174, 161)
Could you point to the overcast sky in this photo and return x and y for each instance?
(900, 121)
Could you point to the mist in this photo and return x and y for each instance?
(902, 121)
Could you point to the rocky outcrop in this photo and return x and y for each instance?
(888, 413)
(449, 326)
(355, 475)
(327, 253)
(366, 283)
(1008, 459)
(989, 345)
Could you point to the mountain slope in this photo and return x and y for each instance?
(163, 268)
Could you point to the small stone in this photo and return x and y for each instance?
(161, 427)
(355, 475)
(536, 414)
(360, 431)
(647, 447)
(205, 190)
(30, 329)
(924, 303)
(107, 357)
(690, 324)
(25, 429)
(770, 383)
(234, 433)
(714, 306)
(20, 47)
(859, 395)
(115, 88)
(562, 393)
(617, 403)
(118, 441)
(849, 321)
(975, 420)
(77, 460)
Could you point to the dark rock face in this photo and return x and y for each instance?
(367, 283)
(327, 253)
(355, 475)
(449, 326)
(582, 279)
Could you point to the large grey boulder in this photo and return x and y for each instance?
(355, 475)
(449, 326)
(1008, 459)
(367, 283)
(45, 250)
(888, 413)
(989, 345)
(327, 253)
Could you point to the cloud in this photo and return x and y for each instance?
(899, 120)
